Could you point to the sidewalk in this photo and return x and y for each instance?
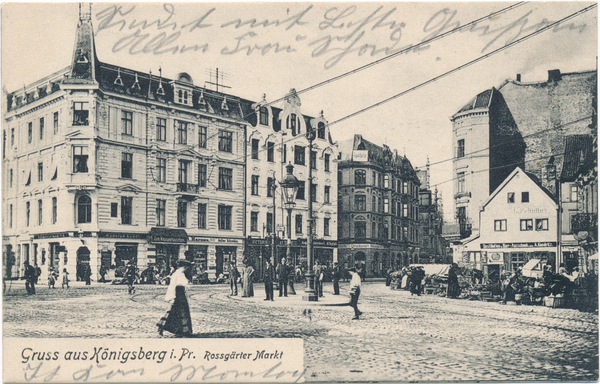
(328, 299)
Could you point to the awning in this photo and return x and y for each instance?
(167, 235)
(593, 257)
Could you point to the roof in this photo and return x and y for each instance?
(510, 177)
(578, 148)
(482, 100)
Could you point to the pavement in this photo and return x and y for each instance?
(399, 338)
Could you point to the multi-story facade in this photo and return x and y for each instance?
(378, 207)
(276, 137)
(433, 248)
(518, 124)
(104, 165)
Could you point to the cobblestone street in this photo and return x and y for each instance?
(399, 337)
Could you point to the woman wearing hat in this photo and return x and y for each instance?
(177, 320)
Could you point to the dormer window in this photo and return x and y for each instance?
(264, 116)
(321, 130)
(182, 95)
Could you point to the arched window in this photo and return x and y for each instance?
(264, 116)
(321, 130)
(84, 209)
(360, 177)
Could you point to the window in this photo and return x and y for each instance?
(360, 229)
(360, 203)
(321, 130)
(27, 212)
(202, 138)
(126, 165)
(460, 182)
(340, 178)
(10, 179)
(500, 225)
(40, 172)
(202, 175)
(225, 141)
(253, 221)
(292, 123)
(10, 218)
(80, 158)
(55, 123)
(269, 222)
(41, 128)
(181, 214)
(574, 193)
(84, 209)
(161, 129)
(524, 197)
(284, 154)
(182, 97)
(255, 144)
(404, 210)
(225, 216)
(326, 162)
(126, 209)
(510, 197)
(404, 233)
(360, 177)
(460, 148)
(326, 194)
(201, 216)
(114, 207)
(270, 185)
(313, 159)
(386, 205)
(541, 224)
(405, 187)
(40, 213)
(254, 189)
(301, 190)
(182, 128)
(298, 224)
(80, 113)
(182, 171)
(386, 181)
(373, 230)
(380, 204)
(313, 192)
(225, 178)
(270, 151)
(161, 170)
(161, 208)
(299, 155)
(264, 116)
(526, 225)
(326, 226)
(54, 210)
(12, 137)
(29, 132)
(127, 123)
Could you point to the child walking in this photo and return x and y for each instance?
(65, 278)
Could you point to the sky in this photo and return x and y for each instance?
(269, 48)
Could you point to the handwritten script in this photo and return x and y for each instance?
(332, 35)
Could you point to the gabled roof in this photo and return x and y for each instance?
(509, 178)
(578, 148)
(482, 100)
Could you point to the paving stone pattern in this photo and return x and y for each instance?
(399, 337)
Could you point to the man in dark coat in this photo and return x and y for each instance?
(282, 275)
(268, 280)
(30, 278)
(234, 275)
(336, 275)
(130, 275)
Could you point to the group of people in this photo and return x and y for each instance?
(33, 273)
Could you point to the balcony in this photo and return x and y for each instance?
(584, 222)
(187, 190)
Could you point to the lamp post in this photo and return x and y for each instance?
(273, 225)
(289, 186)
(310, 291)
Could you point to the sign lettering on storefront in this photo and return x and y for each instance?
(165, 239)
(542, 244)
(200, 239)
(51, 235)
(360, 155)
(120, 235)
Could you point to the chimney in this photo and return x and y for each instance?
(519, 77)
(554, 75)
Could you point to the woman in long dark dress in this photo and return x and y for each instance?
(453, 286)
(177, 320)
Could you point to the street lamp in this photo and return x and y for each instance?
(310, 291)
(289, 186)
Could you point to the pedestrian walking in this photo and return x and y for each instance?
(130, 276)
(234, 275)
(290, 277)
(30, 278)
(38, 273)
(282, 275)
(87, 273)
(248, 289)
(453, 286)
(354, 292)
(103, 274)
(65, 278)
(177, 320)
(336, 274)
(268, 280)
(52, 276)
(318, 279)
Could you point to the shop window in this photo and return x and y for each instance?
(81, 113)
(126, 210)
(80, 159)
(518, 260)
(541, 224)
(225, 141)
(225, 217)
(526, 225)
(84, 209)
(201, 216)
(524, 197)
(500, 225)
(225, 178)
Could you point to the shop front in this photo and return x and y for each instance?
(499, 257)
(324, 251)
(168, 246)
(215, 254)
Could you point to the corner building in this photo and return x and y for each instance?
(378, 205)
(104, 165)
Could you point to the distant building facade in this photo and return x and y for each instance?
(378, 207)
(433, 247)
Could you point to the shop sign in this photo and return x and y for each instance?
(122, 235)
(360, 156)
(51, 235)
(201, 239)
(540, 244)
(317, 243)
